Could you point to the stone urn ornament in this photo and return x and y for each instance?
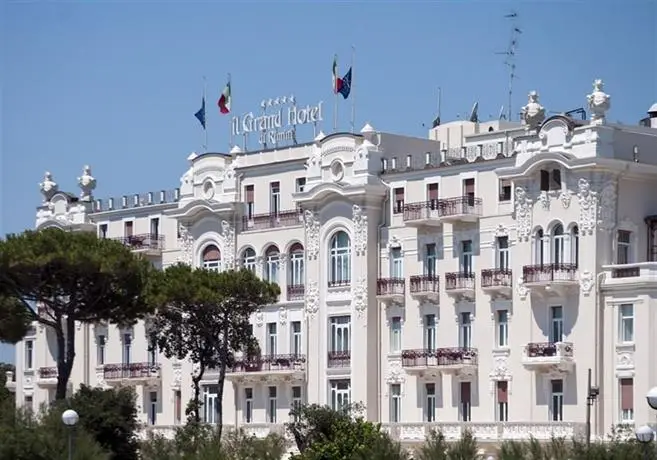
(533, 114)
(48, 187)
(87, 184)
(599, 103)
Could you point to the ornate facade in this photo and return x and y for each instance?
(469, 279)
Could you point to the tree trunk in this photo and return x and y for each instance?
(196, 383)
(220, 383)
(65, 355)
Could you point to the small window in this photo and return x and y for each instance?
(395, 334)
(301, 184)
(502, 401)
(102, 231)
(626, 323)
(626, 400)
(623, 245)
(505, 190)
(399, 201)
(550, 180)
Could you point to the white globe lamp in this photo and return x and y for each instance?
(651, 397)
(70, 417)
(644, 434)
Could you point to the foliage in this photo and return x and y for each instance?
(69, 276)
(436, 447)
(321, 433)
(111, 417)
(201, 442)
(24, 436)
(204, 315)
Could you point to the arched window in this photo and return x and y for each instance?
(249, 259)
(272, 257)
(558, 245)
(538, 247)
(340, 257)
(296, 265)
(211, 258)
(574, 245)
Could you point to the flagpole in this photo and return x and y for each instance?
(205, 127)
(353, 96)
(230, 126)
(335, 106)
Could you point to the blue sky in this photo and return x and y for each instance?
(115, 84)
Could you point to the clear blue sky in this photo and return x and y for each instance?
(115, 84)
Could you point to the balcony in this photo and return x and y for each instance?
(47, 376)
(497, 282)
(425, 287)
(271, 367)
(630, 276)
(436, 212)
(279, 219)
(460, 285)
(295, 292)
(429, 362)
(339, 359)
(132, 373)
(391, 290)
(554, 279)
(147, 243)
(549, 357)
(485, 432)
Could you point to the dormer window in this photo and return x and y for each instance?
(550, 180)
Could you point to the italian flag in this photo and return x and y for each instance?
(224, 100)
(337, 81)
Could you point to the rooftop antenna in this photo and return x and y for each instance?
(510, 59)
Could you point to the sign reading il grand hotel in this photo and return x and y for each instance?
(278, 121)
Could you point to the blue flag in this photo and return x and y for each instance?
(200, 115)
(345, 87)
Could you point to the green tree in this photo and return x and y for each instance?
(204, 315)
(70, 277)
(110, 416)
(322, 433)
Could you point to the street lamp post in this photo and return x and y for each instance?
(70, 418)
(645, 435)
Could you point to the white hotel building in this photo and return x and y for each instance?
(469, 279)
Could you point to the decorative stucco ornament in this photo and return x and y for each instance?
(311, 224)
(359, 295)
(587, 207)
(185, 243)
(607, 207)
(522, 290)
(396, 373)
(282, 315)
(599, 103)
(360, 230)
(533, 114)
(87, 184)
(312, 299)
(586, 282)
(523, 208)
(48, 187)
(228, 244)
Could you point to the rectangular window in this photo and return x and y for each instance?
(432, 196)
(295, 346)
(102, 231)
(626, 400)
(396, 263)
(127, 348)
(505, 190)
(100, 350)
(271, 406)
(177, 406)
(430, 332)
(398, 202)
(29, 403)
(465, 336)
(300, 184)
(210, 404)
(155, 228)
(248, 405)
(339, 339)
(395, 334)
(272, 339)
(466, 256)
(29, 354)
(626, 323)
(275, 198)
(249, 199)
(340, 394)
(556, 329)
(545, 180)
(465, 409)
(502, 401)
(555, 183)
(430, 402)
(556, 406)
(502, 328)
(297, 399)
(296, 268)
(152, 410)
(430, 259)
(623, 240)
(502, 252)
(272, 260)
(395, 403)
(128, 229)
